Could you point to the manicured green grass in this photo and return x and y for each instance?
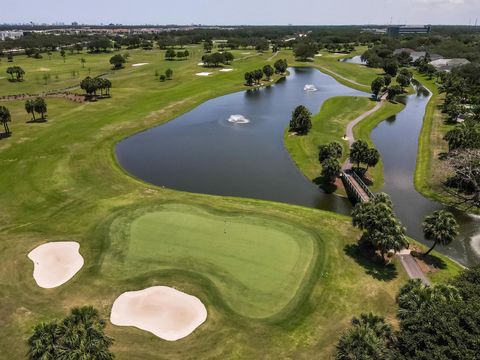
(261, 258)
(60, 181)
(327, 126)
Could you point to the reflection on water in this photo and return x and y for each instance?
(397, 141)
(201, 152)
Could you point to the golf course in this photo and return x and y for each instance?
(277, 280)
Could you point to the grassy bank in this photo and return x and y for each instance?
(430, 171)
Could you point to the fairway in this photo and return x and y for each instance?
(284, 286)
(257, 263)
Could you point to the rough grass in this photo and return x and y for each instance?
(60, 181)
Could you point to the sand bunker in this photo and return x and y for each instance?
(310, 87)
(165, 312)
(55, 263)
(204, 74)
(318, 55)
(139, 64)
(43, 69)
(201, 64)
(246, 53)
(238, 119)
(226, 70)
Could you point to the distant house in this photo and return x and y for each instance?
(448, 64)
(417, 54)
(10, 35)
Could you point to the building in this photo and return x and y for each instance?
(397, 30)
(417, 54)
(448, 64)
(10, 35)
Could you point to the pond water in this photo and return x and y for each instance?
(397, 140)
(354, 60)
(202, 151)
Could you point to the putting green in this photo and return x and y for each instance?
(257, 263)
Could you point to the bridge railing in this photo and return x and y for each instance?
(351, 188)
(362, 185)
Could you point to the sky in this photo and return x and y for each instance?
(242, 12)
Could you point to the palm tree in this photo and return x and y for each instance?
(30, 108)
(415, 296)
(330, 169)
(11, 71)
(369, 338)
(40, 106)
(43, 344)
(440, 227)
(78, 336)
(107, 85)
(5, 118)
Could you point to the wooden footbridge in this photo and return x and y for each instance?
(356, 189)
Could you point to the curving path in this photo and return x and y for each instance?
(324, 69)
(349, 132)
(411, 267)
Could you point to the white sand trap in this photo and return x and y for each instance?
(226, 70)
(201, 64)
(238, 119)
(55, 263)
(246, 53)
(43, 69)
(318, 55)
(139, 64)
(204, 74)
(167, 313)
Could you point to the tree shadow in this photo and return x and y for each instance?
(326, 186)
(37, 121)
(431, 260)
(362, 174)
(5, 135)
(372, 267)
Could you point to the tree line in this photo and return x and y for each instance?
(439, 322)
(171, 54)
(92, 85)
(254, 77)
(462, 108)
(215, 59)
